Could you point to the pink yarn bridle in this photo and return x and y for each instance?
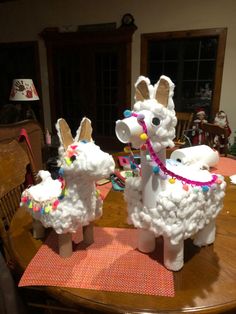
(160, 164)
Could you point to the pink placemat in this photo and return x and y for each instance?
(226, 166)
(111, 263)
(104, 189)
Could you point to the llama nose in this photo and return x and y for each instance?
(127, 128)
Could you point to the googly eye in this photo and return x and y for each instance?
(155, 121)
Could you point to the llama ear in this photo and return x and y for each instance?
(64, 133)
(162, 93)
(85, 131)
(142, 91)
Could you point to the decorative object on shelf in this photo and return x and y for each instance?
(172, 200)
(221, 119)
(23, 90)
(198, 135)
(127, 19)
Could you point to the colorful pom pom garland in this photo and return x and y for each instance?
(47, 206)
(160, 166)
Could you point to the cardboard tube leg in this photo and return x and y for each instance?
(88, 234)
(38, 229)
(173, 255)
(206, 236)
(65, 244)
(146, 241)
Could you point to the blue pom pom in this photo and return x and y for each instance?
(205, 188)
(127, 113)
(156, 169)
(61, 172)
(133, 166)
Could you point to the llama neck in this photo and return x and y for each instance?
(79, 185)
(151, 182)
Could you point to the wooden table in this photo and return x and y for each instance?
(206, 284)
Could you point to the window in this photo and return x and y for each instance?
(194, 62)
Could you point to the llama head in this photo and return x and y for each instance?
(80, 155)
(153, 114)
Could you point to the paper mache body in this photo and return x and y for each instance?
(168, 199)
(71, 200)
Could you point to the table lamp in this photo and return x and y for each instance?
(23, 90)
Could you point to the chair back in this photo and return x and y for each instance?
(216, 137)
(15, 164)
(34, 131)
(184, 123)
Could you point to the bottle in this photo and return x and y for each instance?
(48, 137)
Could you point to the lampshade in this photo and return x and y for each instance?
(23, 90)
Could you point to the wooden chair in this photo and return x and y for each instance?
(184, 123)
(15, 166)
(216, 137)
(15, 169)
(12, 131)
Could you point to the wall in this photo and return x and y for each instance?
(23, 20)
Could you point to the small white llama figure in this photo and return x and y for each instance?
(71, 201)
(168, 199)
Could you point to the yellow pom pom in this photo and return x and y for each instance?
(172, 180)
(68, 161)
(127, 149)
(143, 137)
(47, 209)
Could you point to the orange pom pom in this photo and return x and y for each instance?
(185, 187)
(143, 147)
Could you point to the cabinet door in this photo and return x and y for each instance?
(90, 76)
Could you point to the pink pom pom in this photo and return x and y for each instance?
(185, 187)
(55, 204)
(24, 199)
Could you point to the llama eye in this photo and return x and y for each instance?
(155, 121)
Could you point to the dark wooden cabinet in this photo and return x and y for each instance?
(89, 75)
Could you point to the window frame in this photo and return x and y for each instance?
(220, 33)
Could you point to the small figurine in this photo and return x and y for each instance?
(198, 135)
(221, 119)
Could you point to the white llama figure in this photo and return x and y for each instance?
(169, 199)
(72, 200)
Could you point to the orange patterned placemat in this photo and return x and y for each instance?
(226, 166)
(111, 263)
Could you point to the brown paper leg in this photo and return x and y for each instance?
(65, 244)
(38, 229)
(88, 234)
